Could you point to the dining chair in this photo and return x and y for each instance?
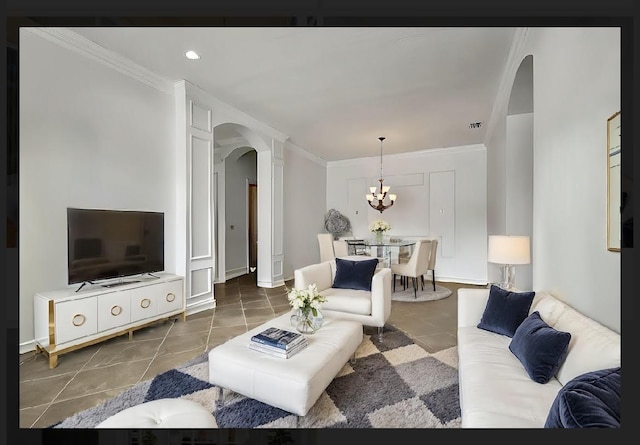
(325, 242)
(340, 248)
(415, 268)
(431, 264)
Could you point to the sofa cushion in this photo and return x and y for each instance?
(592, 346)
(347, 300)
(493, 384)
(505, 310)
(352, 274)
(591, 400)
(540, 348)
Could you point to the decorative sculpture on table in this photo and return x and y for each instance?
(336, 223)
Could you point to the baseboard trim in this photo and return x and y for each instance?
(233, 273)
(27, 347)
(271, 284)
(200, 306)
(461, 280)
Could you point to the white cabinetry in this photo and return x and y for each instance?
(66, 319)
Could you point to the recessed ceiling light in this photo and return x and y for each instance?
(192, 55)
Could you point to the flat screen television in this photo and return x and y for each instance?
(105, 244)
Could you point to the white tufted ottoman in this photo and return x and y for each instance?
(292, 384)
(162, 413)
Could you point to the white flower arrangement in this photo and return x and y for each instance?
(379, 226)
(307, 300)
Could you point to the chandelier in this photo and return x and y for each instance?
(378, 196)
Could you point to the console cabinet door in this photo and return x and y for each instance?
(75, 319)
(114, 310)
(170, 296)
(144, 302)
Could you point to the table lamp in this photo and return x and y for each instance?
(508, 250)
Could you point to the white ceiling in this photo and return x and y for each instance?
(334, 91)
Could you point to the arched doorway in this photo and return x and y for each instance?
(244, 163)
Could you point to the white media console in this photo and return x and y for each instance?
(68, 319)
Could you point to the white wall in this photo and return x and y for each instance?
(305, 179)
(496, 191)
(576, 73)
(408, 176)
(238, 170)
(519, 190)
(89, 137)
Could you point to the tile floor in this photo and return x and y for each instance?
(89, 376)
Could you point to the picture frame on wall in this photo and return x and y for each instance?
(614, 213)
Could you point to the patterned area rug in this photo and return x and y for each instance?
(428, 294)
(393, 384)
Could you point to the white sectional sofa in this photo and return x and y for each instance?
(495, 389)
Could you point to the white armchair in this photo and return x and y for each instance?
(371, 308)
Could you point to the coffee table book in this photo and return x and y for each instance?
(277, 352)
(278, 338)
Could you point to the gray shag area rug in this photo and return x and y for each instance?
(428, 294)
(392, 384)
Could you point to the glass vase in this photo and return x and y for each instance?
(379, 236)
(306, 322)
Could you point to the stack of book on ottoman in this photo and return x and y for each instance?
(278, 342)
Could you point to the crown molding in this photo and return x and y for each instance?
(85, 47)
(412, 154)
(304, 153)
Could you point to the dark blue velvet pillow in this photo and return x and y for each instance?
(591, 400)
(540, 348)
(354, 274)
(505, 310)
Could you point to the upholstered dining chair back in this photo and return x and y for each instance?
(422, 260)
(416, 267)
(431, 265)
(340, 248)
(325, 242)
(432, 255)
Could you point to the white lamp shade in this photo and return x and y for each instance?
(509, 249)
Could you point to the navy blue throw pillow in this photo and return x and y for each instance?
(540, 348)
(354, 274)
(505, 310)
(590, 400)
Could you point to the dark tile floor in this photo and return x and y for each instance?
(89, 376)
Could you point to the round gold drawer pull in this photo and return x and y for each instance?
(78, 320)
(116, 310)
(171, 296)
(145, 303)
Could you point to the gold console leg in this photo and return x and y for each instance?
(53, 361)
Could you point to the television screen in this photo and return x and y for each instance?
(104, 244)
